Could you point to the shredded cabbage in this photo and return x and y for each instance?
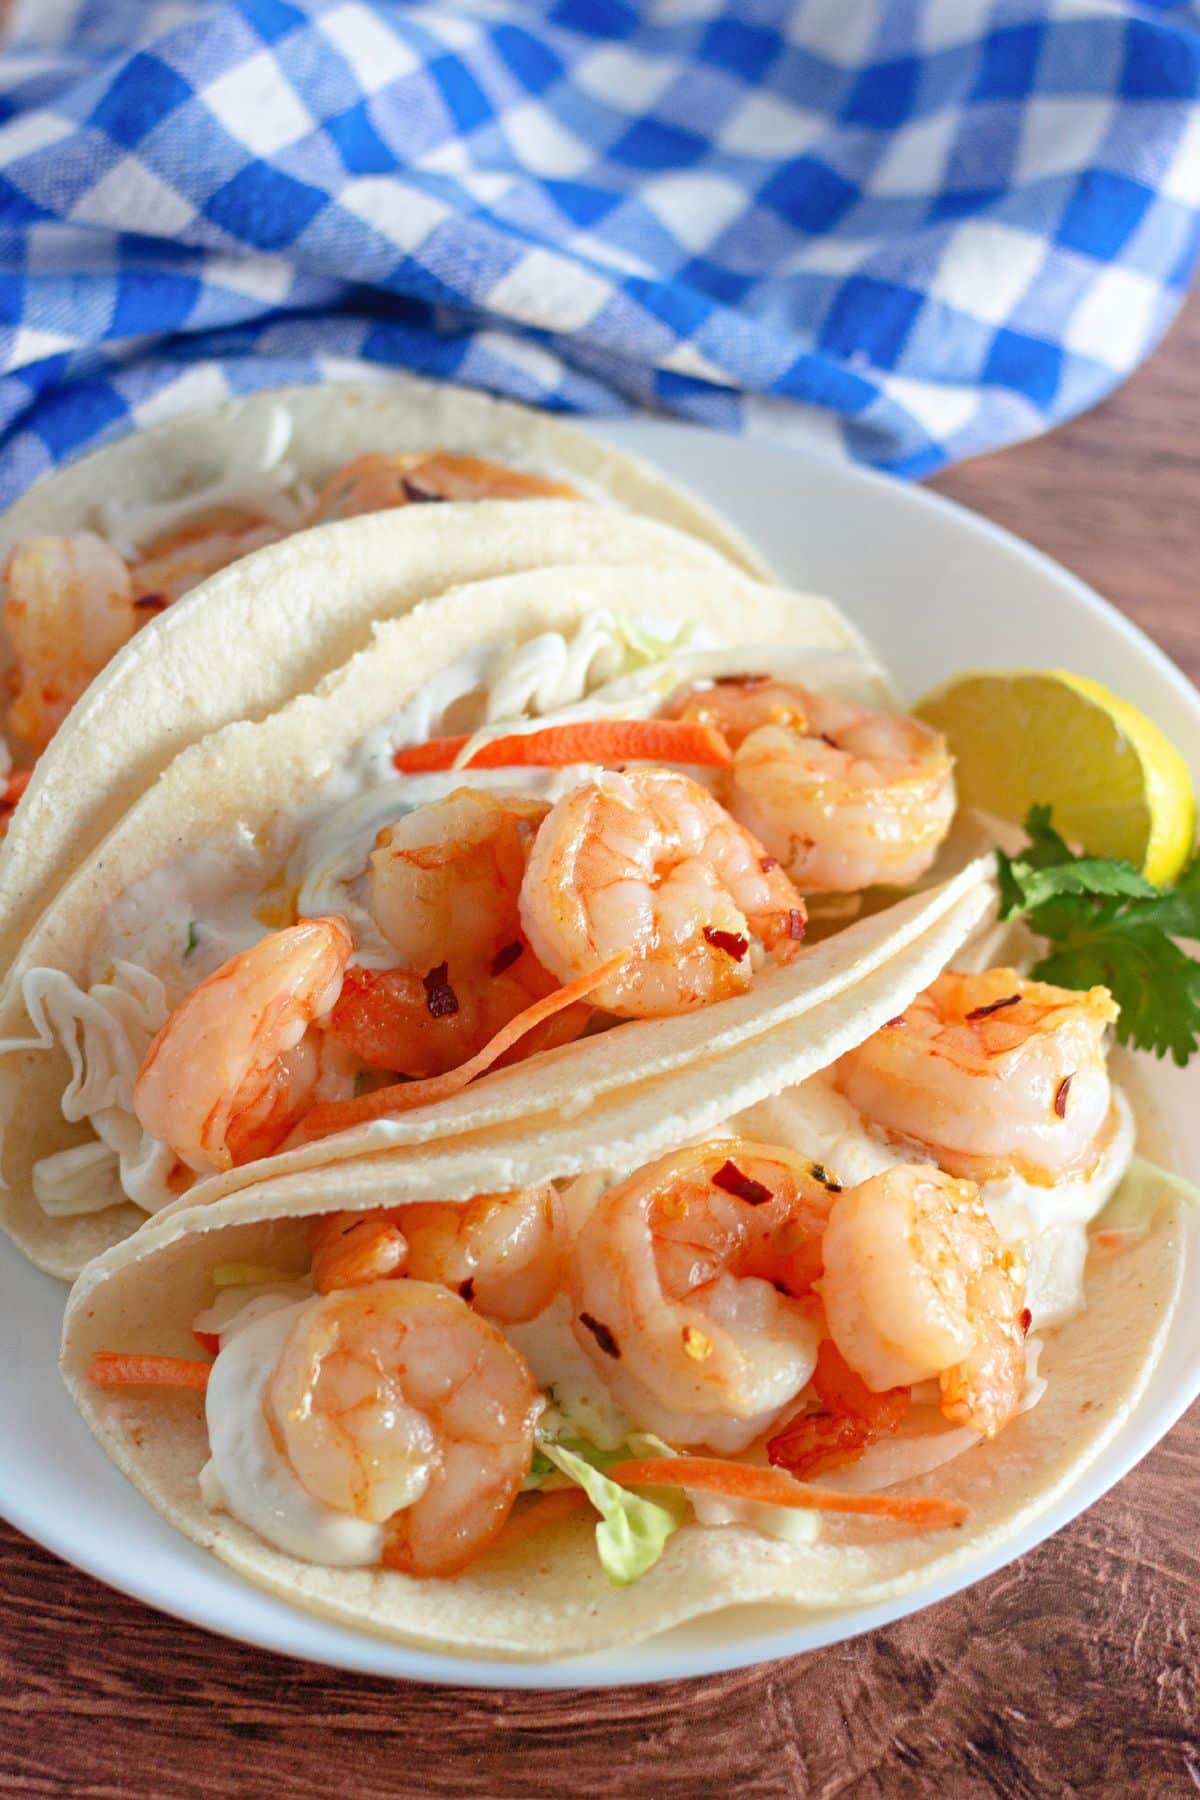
(552, 671)
(632, 1531)
(83, 1179)
(105, 1033)
(549, 678)
(234, 1308)
(253, 474)
(1133, 1207)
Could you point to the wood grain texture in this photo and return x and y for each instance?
(1074, 1672)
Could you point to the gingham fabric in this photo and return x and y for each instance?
(911, 230)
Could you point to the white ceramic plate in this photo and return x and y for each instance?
(938, 590)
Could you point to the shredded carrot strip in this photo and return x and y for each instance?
(116, 1368)
(741, 1481)
(546, 1510)
(406, 1096)
(589, 741)
(15, 786)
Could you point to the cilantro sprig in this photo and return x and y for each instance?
(1107, 925)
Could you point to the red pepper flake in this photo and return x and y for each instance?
(730, 1179)
(602, 1335)
(1060, 1095)
(985, 1012)
(467, 1289)
(504, 959)
(151, 603)
(743, 681)
(767, 863)
(893, 1024)
(416, 495)
(1026, 1320)
(796, 923)
(731, 942)
(440, 997)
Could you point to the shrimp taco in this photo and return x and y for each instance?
(550, 836)
(97, 556)
(817, 1352)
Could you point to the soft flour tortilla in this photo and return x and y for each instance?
(548, 1597)
(251, 773)
(250, 637)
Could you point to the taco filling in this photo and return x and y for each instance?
(73, 601)
(554, 837)
(750, 1332)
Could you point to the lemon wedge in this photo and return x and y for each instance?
(1116, 783)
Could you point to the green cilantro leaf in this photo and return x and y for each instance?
(1105, 924)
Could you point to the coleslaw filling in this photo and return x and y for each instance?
(582, 1430)
(175, 927)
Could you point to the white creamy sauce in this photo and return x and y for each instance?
(190, 916)
(246, 1475)
(580, 1404)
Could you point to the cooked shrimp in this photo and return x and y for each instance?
(376, 483)
(236, 1065)
(443, 882)
(73, 602)
(443, 886)
(504, 1253)
(992, 1074)
(189, 554)
(650, 862)
(398, 1404)
(427, 1024)
(501, 1253)
(11, 795)
(353, 1249)
(70, 607)
(844, 796)
(917, 1282)
(692, 1285)
(850, 1418)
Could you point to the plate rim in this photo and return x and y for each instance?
(110, 1561)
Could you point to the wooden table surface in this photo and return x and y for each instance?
(1074, 1672)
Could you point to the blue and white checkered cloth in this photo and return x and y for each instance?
(911, 229)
